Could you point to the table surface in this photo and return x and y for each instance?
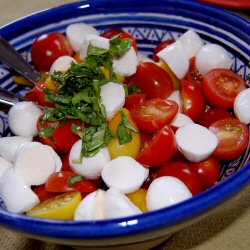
(228, 228)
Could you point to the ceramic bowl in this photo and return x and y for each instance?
(149, 22)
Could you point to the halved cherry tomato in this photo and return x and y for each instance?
(221, 86)
(183, 172)
(47, 48)
(111, 33)
(154, 81)
(59, 183)
(193, 75)
(153, 114)
(193, 100)
(207, 170)
(139, 199)
(133, 99)
(42, 194)
(233, 137)
(213, 115)
(160, 149)
(160, 47)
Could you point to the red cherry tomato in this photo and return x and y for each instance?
(59, 182)
(160, 47)
(213, 115)
(65, 163)
(153, 114)
(42, 194)
(153, 81)
(183, 172)
(193, 75)
(47, 48)
(116, 31)
(133, 99)
(207, 170)
(221, 86)
(160, 149)
(233, 138)
(194, 103)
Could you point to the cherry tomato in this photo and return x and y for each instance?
(154, 81)
(130, 148)
(221, 86)
(111, 33)
(47, 48)
(153, 114)
(213, 115)
(65, 163)
(133, 99)
(160, 47)
(42, 194)
(194, 103)
(183, 172)
(160, 149)
(193, 75)
(139, 199)
(59, 183)
(207, 170)
(232, 137)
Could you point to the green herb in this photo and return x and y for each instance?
(118, 46)
(74, 179)
(46, 132)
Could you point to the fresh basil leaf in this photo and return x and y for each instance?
(127, 124)
(75, 179)
(118, 46)
(122, 134)
(96, 51)
(47, 132)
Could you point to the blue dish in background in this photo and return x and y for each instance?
(149, 23)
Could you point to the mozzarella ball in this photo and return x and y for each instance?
(22, 118)
(212, 56)
(63, 63)
(4, 166)
(166, 191)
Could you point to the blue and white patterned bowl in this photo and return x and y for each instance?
(149, 22)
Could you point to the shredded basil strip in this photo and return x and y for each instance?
(74, 179)
(47, 132)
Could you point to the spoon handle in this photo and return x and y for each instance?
(11, 58)
(10, 98)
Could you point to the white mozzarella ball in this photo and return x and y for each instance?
(35, 163)
(196, 142)
(212, 56)
(89, 167)
(166, 191)
(76, 33)
(191, 42)
(181, 120)
(22, 118)
(117, 205)
(62, 63)
(125, 174)
(91, 207)
(4, 166)
(176, 58)
(127, 64)
(96, 41)
(9, 146)
(242, 106)
(113, 98)
(16, 194)
(176, 97)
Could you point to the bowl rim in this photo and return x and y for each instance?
(166, 217)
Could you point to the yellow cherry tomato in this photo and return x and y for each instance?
(128, 149)
(176, 81)
(106, 73)
(61, 207)
(139, 199)
(50, 84)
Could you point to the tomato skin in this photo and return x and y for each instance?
(160, 149)
(221, 86)
(111, 33)
(233, 137)
(153, 114)
(134, 99)
(160, 47)
(65, 163)
(213, 115)
(47, 48)
(58, 183)
(194, 102)
(207, 170)
(42, 194)
(183, 172)
(193, 75)
(154, 81)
